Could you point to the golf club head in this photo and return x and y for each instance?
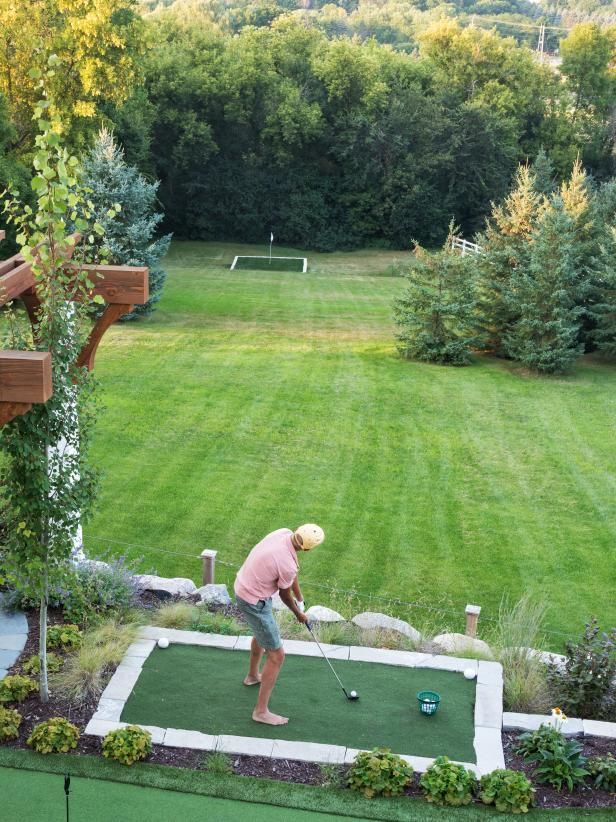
(351, 697)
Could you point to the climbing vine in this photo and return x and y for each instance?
(47, 481)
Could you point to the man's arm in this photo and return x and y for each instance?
(286, 595)
(297, 593)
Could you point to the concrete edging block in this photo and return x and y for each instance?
(594, 727)
(308, 751)
(248, 745)
(489, 750)
(488, 706)
(177, 738)
(384, 656)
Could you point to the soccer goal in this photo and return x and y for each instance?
(265, 263)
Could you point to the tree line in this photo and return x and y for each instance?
(329, 138)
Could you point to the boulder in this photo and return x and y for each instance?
(277, 603)
(214, 594)
(163, 587)
(319, 613)
(462, 644)
(369, 620)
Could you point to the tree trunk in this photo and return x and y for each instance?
(43, 685)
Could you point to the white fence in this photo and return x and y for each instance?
(465, 246)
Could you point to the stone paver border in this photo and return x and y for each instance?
(488, 701)
(572, 727)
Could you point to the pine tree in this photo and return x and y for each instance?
(546, 292)
(130, 235)
(437, 313)
(543, 172)
(505, 246)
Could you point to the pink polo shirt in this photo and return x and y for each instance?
(272, 564)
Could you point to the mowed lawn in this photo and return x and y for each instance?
(255, 400)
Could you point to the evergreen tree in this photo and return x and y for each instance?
(129, 236)
(436, 314)
(546, 293)
(505, 247)
(544, 173)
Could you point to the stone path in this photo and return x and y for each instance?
(13, 635)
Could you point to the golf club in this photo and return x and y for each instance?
(352, 697)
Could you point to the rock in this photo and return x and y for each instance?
(214, 594)
(462, 644)
(319, 613)
(370, 620)
(163, 587)
(277, 603)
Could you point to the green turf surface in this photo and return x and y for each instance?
(39, 797)
(201, 689)
(267, 264)
(291, 797)
(249, 403)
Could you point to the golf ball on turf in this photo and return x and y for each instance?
(163, 642)
(469, 673)
(353, 693)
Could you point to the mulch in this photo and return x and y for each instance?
(305, 773)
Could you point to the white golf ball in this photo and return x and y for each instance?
(163, 642)
(353, 693)
(469, 673)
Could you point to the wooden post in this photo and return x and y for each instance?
(209, 565)
(472, 616)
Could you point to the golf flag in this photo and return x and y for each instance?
(271, 236)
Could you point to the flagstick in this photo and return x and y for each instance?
(271, 251)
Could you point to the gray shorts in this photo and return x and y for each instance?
(260, 618)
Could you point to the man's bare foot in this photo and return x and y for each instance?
(268, 718)
(252, 680)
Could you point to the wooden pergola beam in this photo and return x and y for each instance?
(25, 378)
(119, 284)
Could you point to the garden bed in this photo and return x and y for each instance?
(278, 770)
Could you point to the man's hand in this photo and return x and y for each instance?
(286, 595)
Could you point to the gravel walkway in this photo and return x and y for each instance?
(13, 635)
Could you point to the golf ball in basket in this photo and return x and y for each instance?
(469, 673)
(163, 642)
(353, 693)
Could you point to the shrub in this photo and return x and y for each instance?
(585, 684)
(16, 688)
(84, 673)
(559, 761)
(603, 771)
(128, 745)
(211, 622)
(93, 591)
(563, 765)
(67, 636)
(89, 591)
(219, 763)
(10, 720)
(379, 773)
(446, 783)
(33, 664)
(509, 791)
(174, 615)
(519, 626)
(545, 738)
(56, 735)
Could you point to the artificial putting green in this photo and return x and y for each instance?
(201, 689)
(265, 264)
(39, 797)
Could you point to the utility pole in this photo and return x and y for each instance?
(541, 43)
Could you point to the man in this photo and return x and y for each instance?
(271, 566)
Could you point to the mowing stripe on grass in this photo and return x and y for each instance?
(200, 689)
